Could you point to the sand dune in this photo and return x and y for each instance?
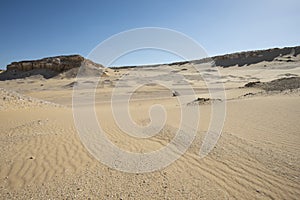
(256, 157)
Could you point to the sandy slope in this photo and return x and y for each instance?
(257, 156)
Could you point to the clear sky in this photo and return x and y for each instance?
(34, 29)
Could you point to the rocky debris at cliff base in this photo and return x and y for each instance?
(277, 85)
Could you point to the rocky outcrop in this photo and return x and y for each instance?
(47, 67)
(281, 84)
(244, 58)
(253, 57)
(58, 63)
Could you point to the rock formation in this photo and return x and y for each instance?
(281, 84)
(243, 58)
(47, 67)
(58, 63)
(252, 57)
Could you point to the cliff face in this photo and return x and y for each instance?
(248, 57)
(252, 57)
(57, 64)
(49, 67)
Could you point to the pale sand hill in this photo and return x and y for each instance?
(257, 156)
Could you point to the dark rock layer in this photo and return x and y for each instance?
(58, 63)
(277, 85)
(253, 57)
(243, 58)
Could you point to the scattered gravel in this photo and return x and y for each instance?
(13, 100)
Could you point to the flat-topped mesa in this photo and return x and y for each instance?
(57, 63)
(58, 66)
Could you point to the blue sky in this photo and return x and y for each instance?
(34, 29)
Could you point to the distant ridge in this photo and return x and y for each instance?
(239, 58)
(253, 57)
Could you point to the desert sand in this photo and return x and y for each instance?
(256, 157)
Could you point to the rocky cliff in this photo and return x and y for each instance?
(253, 57)
(58, 63)
(286, 54)
(46, 67)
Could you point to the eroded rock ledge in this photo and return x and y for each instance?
(57, 63)
(48, 67)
